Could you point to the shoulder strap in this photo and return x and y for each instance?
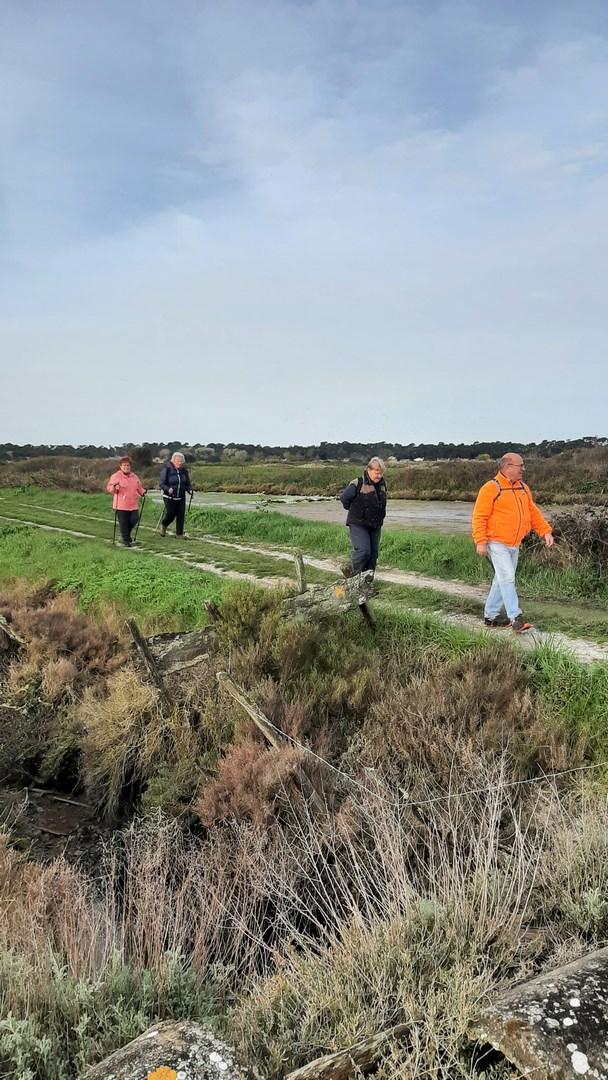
(499, 493)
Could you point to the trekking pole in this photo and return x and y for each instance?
(162, 514)
(116, 489)
(141, 514)
(190, 501)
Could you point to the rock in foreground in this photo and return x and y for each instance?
(171, 1051)
(554, 1027)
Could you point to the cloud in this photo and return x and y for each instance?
(304, 220)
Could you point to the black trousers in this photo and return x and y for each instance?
(366, 545)
(127, 520)
(175, 510)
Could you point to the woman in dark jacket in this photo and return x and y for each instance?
(365, 499)
(175, 485)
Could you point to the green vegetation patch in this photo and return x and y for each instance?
(165, 595)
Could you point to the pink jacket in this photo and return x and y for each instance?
(129, 487)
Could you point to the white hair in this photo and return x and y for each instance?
(177, 456)
(375, 463)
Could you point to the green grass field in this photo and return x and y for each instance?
(165, 596)
(571, 600)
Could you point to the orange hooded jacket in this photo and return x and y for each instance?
(506, 512)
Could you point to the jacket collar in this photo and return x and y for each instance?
(504, 481)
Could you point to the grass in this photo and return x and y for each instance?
(554, 597)
(447, 557)
(92, 516)
(315, 926)
(164, 595)
(574, 694)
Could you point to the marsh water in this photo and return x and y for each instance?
(447, 517)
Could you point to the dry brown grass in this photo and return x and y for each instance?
(329, 929)
(66, 650)
(122, 736)
(441, 721)
(424, 931)
(259, 785)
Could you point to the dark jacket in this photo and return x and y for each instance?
(178, 479)
(365, 502)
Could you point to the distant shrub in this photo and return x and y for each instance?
(583, 534)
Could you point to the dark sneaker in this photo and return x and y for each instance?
(499, 622)
(520, 625)
(163, 530)
(347, 569)
(369, 577)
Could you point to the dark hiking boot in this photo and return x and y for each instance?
(520, 625)
(499, 622)
(163, 530)
(347, 569)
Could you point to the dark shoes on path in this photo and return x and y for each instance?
(499, 622)
(519, 625)
(163, 530)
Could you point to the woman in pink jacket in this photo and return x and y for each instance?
(126, 487)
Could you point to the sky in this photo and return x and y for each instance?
(287, 221)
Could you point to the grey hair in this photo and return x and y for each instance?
(178, 456)
(375, 463)
(505, 459)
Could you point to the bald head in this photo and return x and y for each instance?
(512, 466)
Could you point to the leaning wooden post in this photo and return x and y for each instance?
(300, 572)
(250, 707)
(149, 662)
(274, 737)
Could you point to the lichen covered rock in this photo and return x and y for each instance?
(554, 1027)
(172, 1051)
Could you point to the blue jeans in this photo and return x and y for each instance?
(366, 545)
(502, 591)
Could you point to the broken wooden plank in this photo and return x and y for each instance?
(148, 660)
(175, 652)
(328, 599)
(356, 1060)
(8, 638)
(261, 722)
(555, 1026)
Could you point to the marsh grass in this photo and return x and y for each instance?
(165, 595)
(559, 575)
(315, 934)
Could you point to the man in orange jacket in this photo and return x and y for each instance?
(504, 513)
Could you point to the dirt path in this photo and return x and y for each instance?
(584, 651)
(184, 559)
(329, 566)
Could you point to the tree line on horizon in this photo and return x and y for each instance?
(234, 453)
